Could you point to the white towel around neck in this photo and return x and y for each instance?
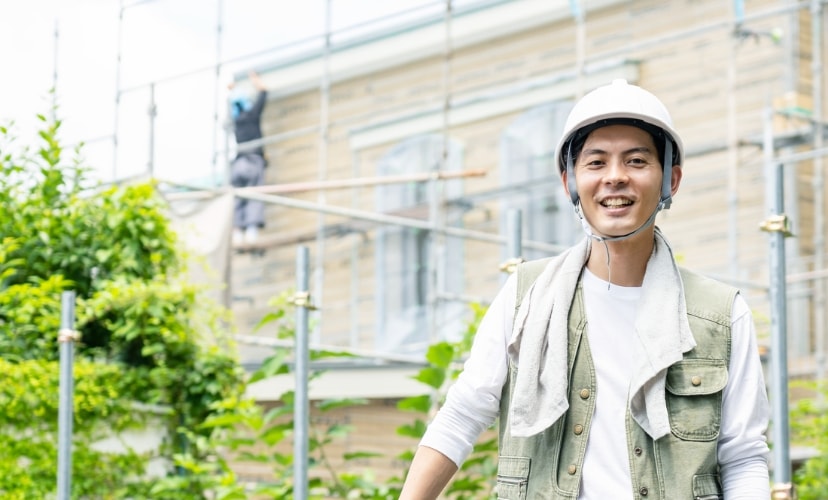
(538, 345)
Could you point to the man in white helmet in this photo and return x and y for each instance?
(615, 374)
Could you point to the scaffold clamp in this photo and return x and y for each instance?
(509, 265)
(783, 491)
(68, 335)
(777, 224)
(303, 299)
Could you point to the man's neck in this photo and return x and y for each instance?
(627, 259)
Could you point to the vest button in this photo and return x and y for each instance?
(584, 393)
(578, 429)
(644, 491)
(638, 451)
(572, 470)
(696, 380)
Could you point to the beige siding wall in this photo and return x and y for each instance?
(689, 72)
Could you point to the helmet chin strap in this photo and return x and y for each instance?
(588, 229)
(606, 239)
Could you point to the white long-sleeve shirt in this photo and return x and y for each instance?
(473, 401)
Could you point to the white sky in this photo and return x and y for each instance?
(156, 40)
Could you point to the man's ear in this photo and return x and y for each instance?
(565, 180)
(675, 179)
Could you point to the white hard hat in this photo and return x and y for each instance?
(620, 102)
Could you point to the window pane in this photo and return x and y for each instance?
(406, 257)
(527, 164)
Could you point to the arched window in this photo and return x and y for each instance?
(527, 166)
(406, 257)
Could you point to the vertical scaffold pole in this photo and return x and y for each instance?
(66, 341)
(301, 408)
(116, 113)
(776, 225)
(514, 240)
(152, 112)
(817, 89)
(323, 143)
(214, 174)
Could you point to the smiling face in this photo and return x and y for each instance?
(618, 176)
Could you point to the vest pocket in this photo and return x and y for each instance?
(512, 477)
(707, 487)
(694, 398)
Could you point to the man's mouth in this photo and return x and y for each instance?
(616, 202)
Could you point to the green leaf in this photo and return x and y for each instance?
(333, 404)
(316, 355)
(276, 434)
(421, 404)
(272, 366)
(415, 430)
(432, 377)
(279, 411)
(269, 318)
(360, 455)
(338, 430)
(440, 354)
(226, 420)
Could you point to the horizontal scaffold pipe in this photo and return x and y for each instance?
(393, 220)
(801, 156)
(298, 187)
(620, 49)
(816, 274)
(362, 353)
(697, 30)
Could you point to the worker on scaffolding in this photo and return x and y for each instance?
(615, 373)
(248, 167)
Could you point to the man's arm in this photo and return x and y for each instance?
(743, 450)
(429, 474)
(261, 93)
(472, 404)
(256, 80)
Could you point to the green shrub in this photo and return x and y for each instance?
(809, 426)
(148, 339)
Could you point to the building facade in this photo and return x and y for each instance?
(438, 127)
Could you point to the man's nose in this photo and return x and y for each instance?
(616, 171)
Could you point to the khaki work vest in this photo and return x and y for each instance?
(681, 465)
